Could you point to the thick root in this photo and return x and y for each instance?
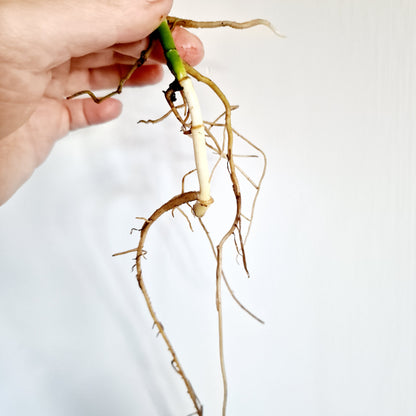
(172, 204)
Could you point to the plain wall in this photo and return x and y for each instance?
(331, 253)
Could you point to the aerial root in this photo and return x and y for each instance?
(158, 120)
(237, 248)
(228, 138)
(184, 214)
(175, 21)
(140, 61)
(173, 203)
(245, 217)
(132, 250)
(142, 218)
(228, 286)
(184, 177)
(170, 96)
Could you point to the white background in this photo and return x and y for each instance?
(332, 252)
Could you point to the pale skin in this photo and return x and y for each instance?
(50, 49)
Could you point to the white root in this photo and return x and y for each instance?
(200, 151)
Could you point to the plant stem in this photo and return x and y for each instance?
(172, 56)
(177, 67)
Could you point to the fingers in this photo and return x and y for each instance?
(14, 170)
(189, 46)
(76, 28)
(85, 112)
(105, 69)
(110, 77)
(117, 54)
(24, 150)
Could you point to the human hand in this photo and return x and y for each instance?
(50, 49)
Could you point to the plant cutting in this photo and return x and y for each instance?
(204, 139)
(177, 67)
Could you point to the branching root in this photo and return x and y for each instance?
(223, 148)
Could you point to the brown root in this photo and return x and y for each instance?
(173, 203)
(224, 150)
(237, 301)
(142, 59)
(175, 21)
(158, 120)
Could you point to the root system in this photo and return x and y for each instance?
(223, 147)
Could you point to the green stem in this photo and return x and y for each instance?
(173, 59)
